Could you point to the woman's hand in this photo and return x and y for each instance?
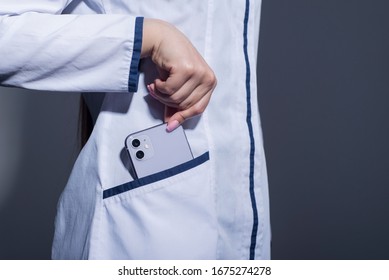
(186, 81)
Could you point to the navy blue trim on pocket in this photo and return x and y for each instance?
(156, 177)
(134, 67)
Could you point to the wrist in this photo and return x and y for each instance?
(152, 35)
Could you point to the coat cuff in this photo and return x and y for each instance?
(134, 67)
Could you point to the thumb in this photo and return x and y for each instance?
(173, 118)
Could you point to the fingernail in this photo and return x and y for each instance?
(172, 126)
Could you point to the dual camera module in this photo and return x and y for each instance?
(139, 154)
(140, 147)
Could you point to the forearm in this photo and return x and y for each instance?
(67, 52)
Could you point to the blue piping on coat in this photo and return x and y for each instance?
(250, 128)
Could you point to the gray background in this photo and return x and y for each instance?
(324, 101)
(323, 80)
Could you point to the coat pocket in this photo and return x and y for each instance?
(167, 215)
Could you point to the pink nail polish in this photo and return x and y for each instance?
(172, 126)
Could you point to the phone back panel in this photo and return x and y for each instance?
(154, 149)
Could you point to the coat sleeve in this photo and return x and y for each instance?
(40, 48)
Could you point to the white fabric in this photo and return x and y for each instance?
(206, 212)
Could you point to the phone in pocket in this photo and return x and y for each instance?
(154, 149)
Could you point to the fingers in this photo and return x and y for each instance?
(178, 94)
(180, 99)
(180, 116)
(175, 117)
(180, 107)
(179, 75)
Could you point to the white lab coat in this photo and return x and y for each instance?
(218, 208)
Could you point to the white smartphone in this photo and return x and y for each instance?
(154, 149)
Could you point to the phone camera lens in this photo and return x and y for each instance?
(135, 143)
(140, 154)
